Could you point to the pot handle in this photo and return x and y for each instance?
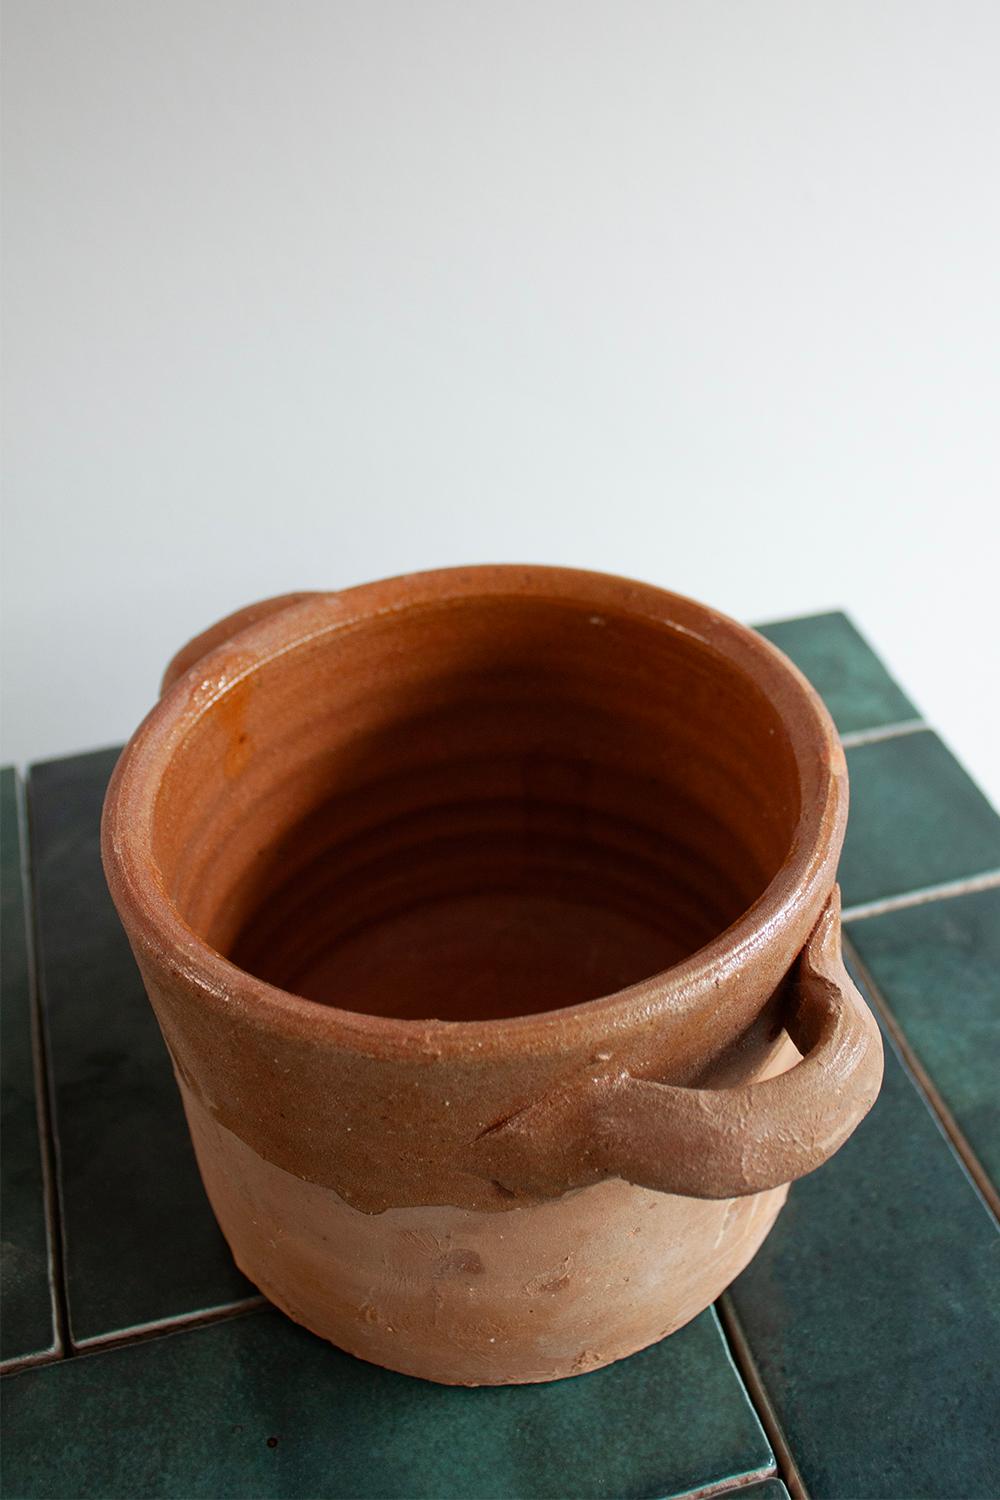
(704, 1142)
(222, 631)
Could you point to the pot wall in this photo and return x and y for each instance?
(399, 1128)
(467, 1297)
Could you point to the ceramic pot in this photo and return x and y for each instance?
(490, 919)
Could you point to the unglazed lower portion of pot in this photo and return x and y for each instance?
(466, 1297)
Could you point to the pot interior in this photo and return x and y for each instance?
(482, 807)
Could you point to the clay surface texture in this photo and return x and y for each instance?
(490, 919)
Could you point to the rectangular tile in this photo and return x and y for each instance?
(916, 820)
(843, 669)
(873, 1313)
(27, 1327)
(937, 967)
(141, 1241)
(257, 1406)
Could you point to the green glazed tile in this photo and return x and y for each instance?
(27, 1327)
(843, 669)
(141, 1241)
(916, 820)
(938, 968)
(255, 1406)
(873, 1312)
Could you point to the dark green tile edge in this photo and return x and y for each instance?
(873, 1314)
(766, 1489)
(937, 971)
(917, 820)
(257, 1406)
(141, 1244)
(843, 669)
(28, 1323)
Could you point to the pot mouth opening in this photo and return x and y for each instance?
(476, 804)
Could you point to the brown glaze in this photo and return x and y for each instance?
(472, 906)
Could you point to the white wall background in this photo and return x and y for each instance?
(300, 293)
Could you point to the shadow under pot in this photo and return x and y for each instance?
(490, 918)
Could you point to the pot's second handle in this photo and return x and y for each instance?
(222, 631)
(702, 1142)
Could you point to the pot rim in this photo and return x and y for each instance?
(160, 934)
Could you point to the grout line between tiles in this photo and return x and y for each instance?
(968, 885)
(742, 1354)
(43, 1105)
(730, 1486)
(927, 1088)
(882, 732)
(17, 1363)
(142, 1333)
(138, 1333)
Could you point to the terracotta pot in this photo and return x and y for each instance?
(483, 912)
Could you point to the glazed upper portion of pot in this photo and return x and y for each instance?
(436, 803)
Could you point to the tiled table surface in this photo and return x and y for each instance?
(856, 1358)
